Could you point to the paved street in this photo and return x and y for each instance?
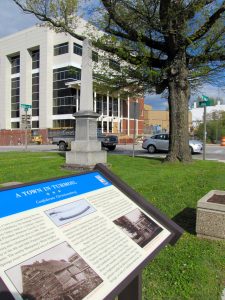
(213, 152)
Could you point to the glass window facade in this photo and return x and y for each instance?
(99, 104)
(15, 125)
(61, 49)
(110, 126)
(124, 108)
(77, 49)
(94, 56)
(64, 98)
(110, 106)
(99, 126)
(15, 64)
(35, 54)
(63, 123)
(104, 126)
(104, 104)
(115, 107)
(15, 97)
(35, 124)
(35, 94)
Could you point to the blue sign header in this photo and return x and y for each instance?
(28, 197)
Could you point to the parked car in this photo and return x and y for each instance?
(160, 142)
(64, 142)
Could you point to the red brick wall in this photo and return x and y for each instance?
(13, 137)
(17, 136)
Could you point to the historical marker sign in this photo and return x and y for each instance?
(77, 237)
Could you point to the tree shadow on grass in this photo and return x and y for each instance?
(149, 158)
(186, 219)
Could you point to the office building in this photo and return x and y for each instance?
(39, 67)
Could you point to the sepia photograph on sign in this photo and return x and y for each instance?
(139, 227)
(59, 273)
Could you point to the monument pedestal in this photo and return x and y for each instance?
(86, 149)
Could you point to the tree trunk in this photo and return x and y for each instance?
(179, 93)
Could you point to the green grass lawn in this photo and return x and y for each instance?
(194, 268)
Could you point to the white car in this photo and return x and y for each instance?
(160, 142)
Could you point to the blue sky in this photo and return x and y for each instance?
(12, 19)
(160, 103)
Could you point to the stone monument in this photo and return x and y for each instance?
(86, 149)
(210, 221)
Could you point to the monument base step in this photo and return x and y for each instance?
(86, 158)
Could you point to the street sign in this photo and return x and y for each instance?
(24, 117)
(26, 106)
(205, 98)
(25, 121)
(206, 101)
(202, 103)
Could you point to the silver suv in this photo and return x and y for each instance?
(160, 142)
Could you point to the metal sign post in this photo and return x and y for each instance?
(205, 132)
(133, 290)
(26, 107)
(205, 102)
